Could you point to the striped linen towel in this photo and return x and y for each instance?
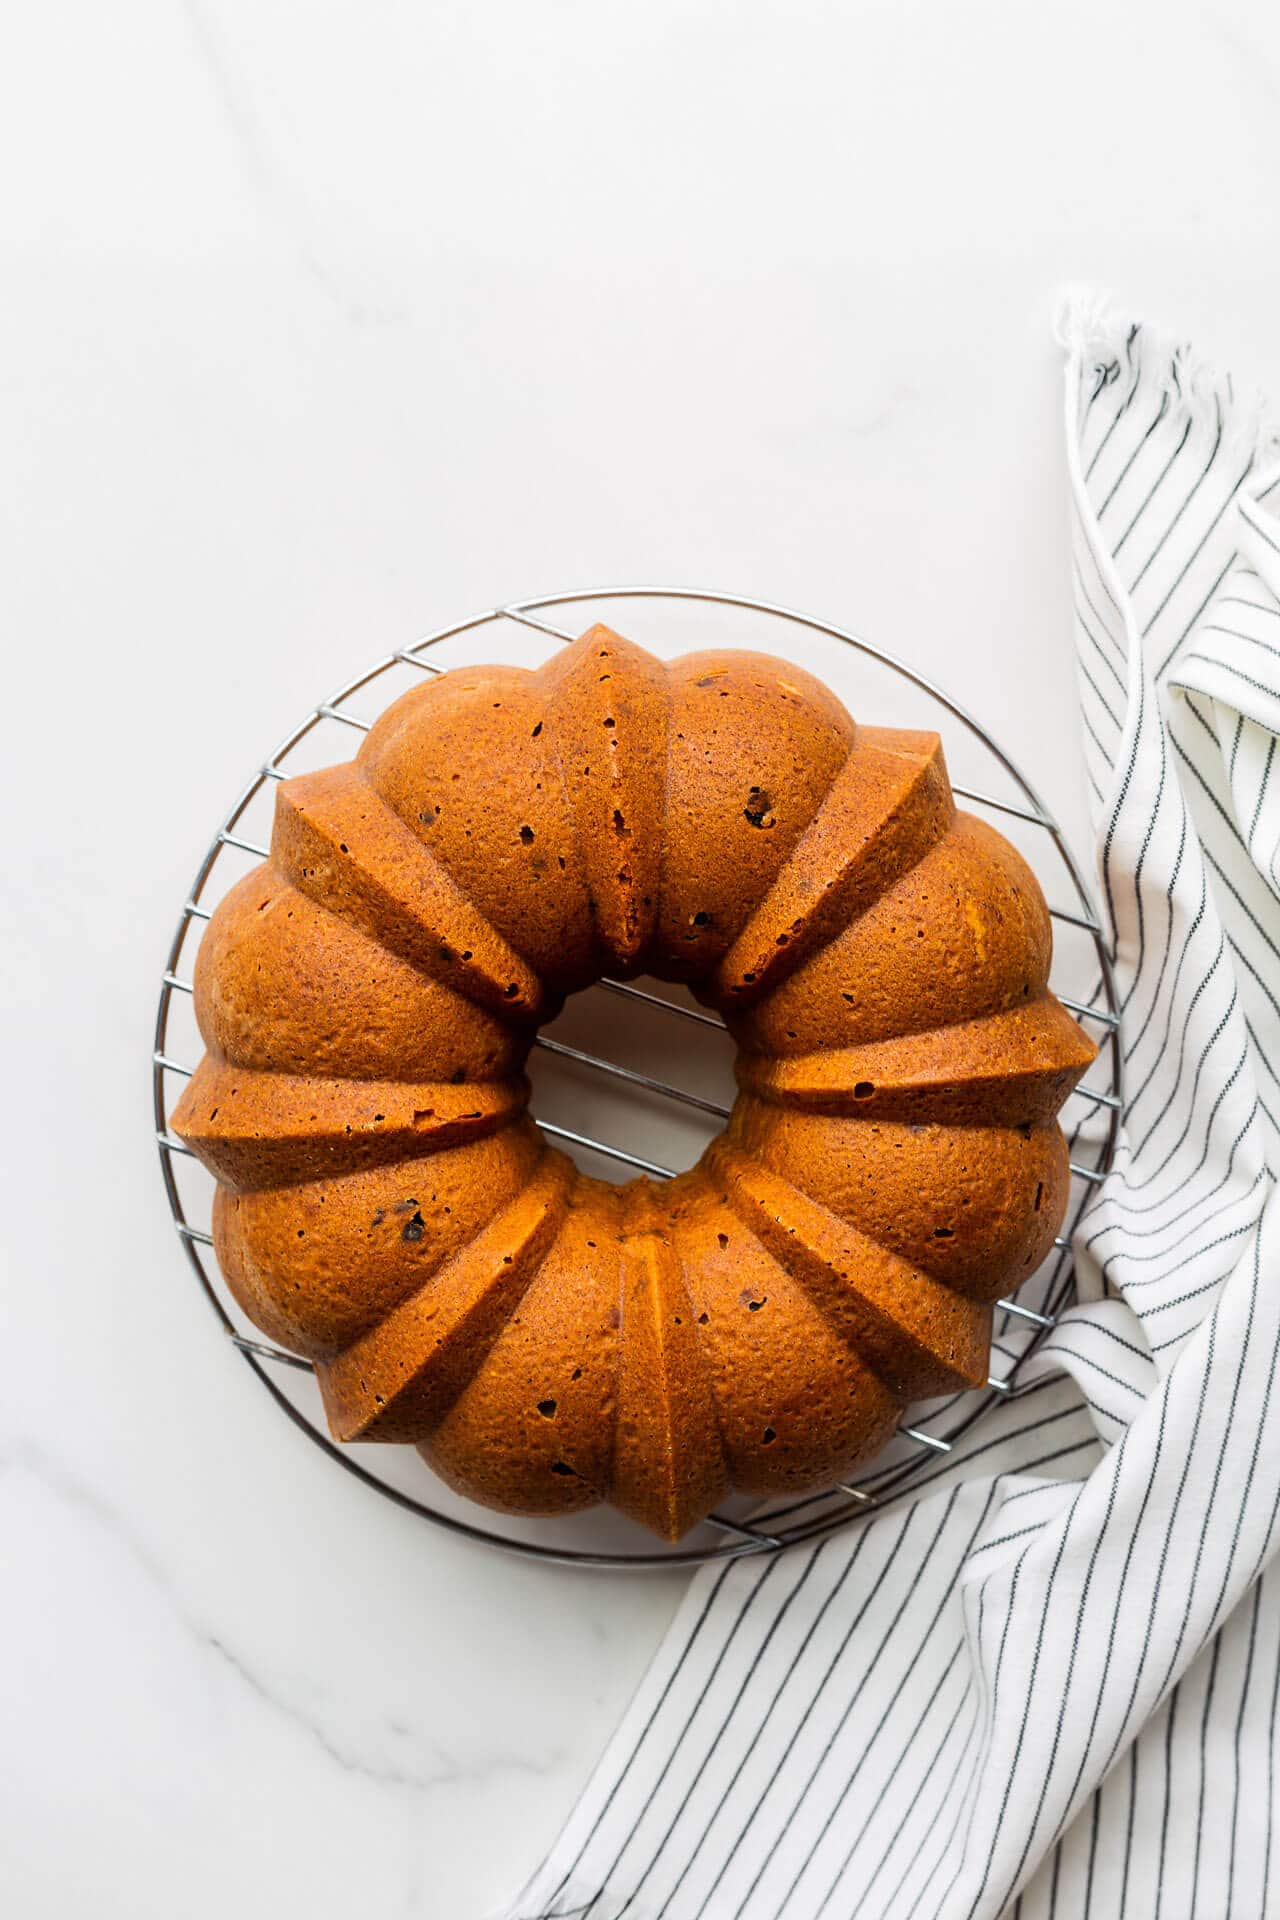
(1045, 1680)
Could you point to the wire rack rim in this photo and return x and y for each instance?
(742, 1537)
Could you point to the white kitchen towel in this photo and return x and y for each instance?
(1044, 1681)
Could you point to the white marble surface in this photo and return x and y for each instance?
(320, 326)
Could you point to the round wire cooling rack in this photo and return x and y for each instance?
(598, 1537)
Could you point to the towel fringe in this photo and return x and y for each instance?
(1089, 324)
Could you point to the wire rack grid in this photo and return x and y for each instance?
(922, 1439)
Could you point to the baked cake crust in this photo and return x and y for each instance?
(387, 1208)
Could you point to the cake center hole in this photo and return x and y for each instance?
(636, 1076)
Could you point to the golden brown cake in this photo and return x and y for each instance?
(387, 1208)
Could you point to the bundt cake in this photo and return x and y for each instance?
(387, 1208)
